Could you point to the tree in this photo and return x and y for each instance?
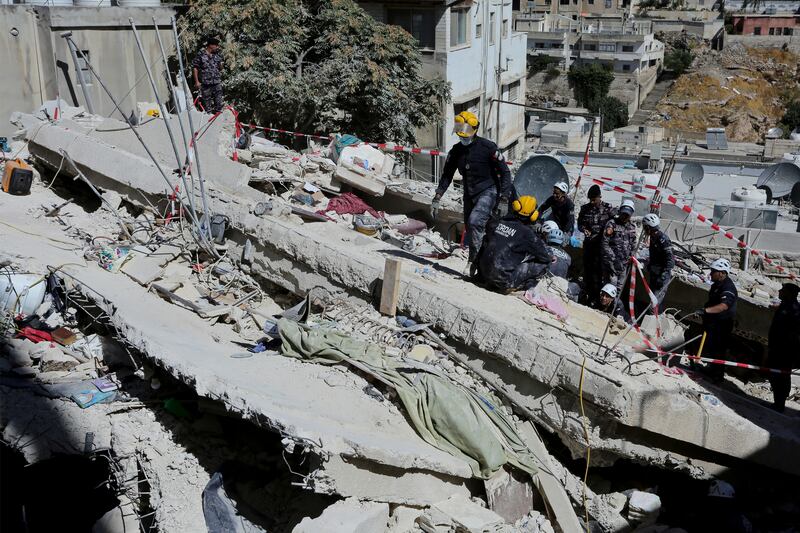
(791, 118)
(322, 65)
(678, 60)
(614, 112)
(590, 84)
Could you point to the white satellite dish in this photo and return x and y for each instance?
(692, 174)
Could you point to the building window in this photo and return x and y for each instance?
(607, 47)
(627, 48)
(459, 30)
(511, 152)
(419, 23)
(538, 45)
(626, 68)
(608, 4)
(787, 31)
(757, 30)
(590, 47)
(772, 31)
(83, 59)
(564, 2)
(513, 92)
(469, 105)
(492, 28)
(591, 2)
(478, 31)
(505, 29)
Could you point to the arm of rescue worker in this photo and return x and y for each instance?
(582, 226)
(196, 66)
(569, 227)
(537, 251)
(500, 166)
(448, 172)
(606, 253)
(545, 206)
(728, 298)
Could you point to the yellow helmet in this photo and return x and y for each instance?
(525, 207)
(466, 124)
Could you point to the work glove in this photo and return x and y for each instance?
(575, 242)
(501, 209)
(435, 207)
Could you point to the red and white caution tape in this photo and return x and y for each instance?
(702, 218)
(291, 133)
(390, 147)
(653, 298)
(632, 311)
(725, 362)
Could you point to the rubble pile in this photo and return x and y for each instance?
(738, 88)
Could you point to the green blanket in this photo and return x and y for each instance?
(445, 414)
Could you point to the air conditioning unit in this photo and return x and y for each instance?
(745, 215)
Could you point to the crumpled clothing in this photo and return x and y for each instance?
(34, 335)
(349, 204)
(548, 302)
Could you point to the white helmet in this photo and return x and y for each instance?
(609, 289)
(563, 187)
(722, 265)
(548, 226)
(556, 236)
(651, 220)
(721, 489)
(627, 204)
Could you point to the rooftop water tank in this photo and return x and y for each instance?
(750, 195)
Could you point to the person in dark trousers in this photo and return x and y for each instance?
(562, 261)
(513, 256)
(562, 209)
(486, 179)
(617, 245)
(207, 74)
(592, 219)
(718, 316)
(662, 258)
(784, 344)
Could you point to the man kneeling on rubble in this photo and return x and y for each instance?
(513, 257)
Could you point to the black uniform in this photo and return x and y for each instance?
(719, 326)
(594, 219)
(562, 213)
(784, 349)
(513, 255)
(560, 266)
(660, 264)
(487, 179)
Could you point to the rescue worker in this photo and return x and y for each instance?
(592, 219)
(486, 179)
(718, 315)
(207, 74)
(722, 512)
(560, 266)
(784, 344)
(607, 301)
(562, 209)
(618, 244)
(545, 228)
(662, 259)
(513, 256)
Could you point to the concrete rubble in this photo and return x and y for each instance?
(162, 317)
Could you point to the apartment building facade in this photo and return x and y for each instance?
(471, 45)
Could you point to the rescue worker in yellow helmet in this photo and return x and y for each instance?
(513, 256)
(486, 179)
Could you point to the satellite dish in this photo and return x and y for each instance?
(537, 176)
(692, 174)
(774, 133)
(794, 196)
(779, 179)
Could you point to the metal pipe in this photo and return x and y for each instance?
(189, 109)
(67, 35)
(105, 88)
(163, 110)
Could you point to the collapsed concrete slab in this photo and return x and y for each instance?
(634, 409)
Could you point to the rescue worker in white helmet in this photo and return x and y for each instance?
(562, 208)
(661, 259)
(560, 266)
(718, 315)
(486, 179)
(513, 256)
(607, 302)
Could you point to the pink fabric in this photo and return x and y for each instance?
(349, 204)
(548, 302)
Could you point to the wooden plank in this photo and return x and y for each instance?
(390, 291)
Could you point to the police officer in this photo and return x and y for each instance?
(662, 259)
(487, 179)
(562, 208)
(560, 266)
(784, 344)
(718, 315)
(513, 256)
(592, 219)
(618, 243)
(207, 72)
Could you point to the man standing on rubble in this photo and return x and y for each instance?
(207, 74)
(618, 244)
(562, 208)
(784, 344)
(661, 260)
(486, 179)
(718, 315)
(592, 219)
(513, 256)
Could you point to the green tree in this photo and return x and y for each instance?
(540, 62)
(590, 84)
(791, 118)
(614, 112)
(678, 60)
(322, 65)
